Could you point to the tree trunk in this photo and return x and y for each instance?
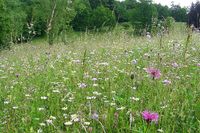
(50, 33)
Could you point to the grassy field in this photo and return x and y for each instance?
(99, 83)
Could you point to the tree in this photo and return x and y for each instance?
(121, 12)
(95, 3)
(102, 16)
(194, 15)
(107, 3)
(163, 11)
(141, 16)
(88, 18)
(12, 19)
(198, 14)
(178, 13)
(56, 15)
(130, 4)
(82, 20)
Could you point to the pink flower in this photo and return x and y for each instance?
(153, 72)
(150, 116)
(198, 64)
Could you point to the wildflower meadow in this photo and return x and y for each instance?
(102, 83)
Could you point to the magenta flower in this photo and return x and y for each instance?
(150, 116)
(153, 72)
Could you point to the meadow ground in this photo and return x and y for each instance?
(110, 82)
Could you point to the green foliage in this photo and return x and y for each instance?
(169, 23)
(163, 11)
(121, 12)
(4, 30)
(23, 20)
(82, 20)
(54, 15)
(86, 18)
(12, 19)
(95, 3)
(106, 3)
(102, 16)
(141, 16)
(178, 13)
(162, 26)
(126, 25)
(155, 28)
(130, 4)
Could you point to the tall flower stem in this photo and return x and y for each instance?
(189, 37)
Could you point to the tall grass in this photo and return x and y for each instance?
(97, 83)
